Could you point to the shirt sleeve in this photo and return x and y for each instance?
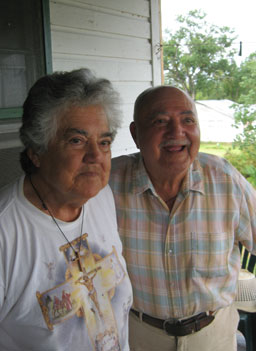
(247, 221)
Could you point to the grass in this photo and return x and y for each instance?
(218, 149)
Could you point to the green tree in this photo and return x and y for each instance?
(199, 57)
(248, 80)
(245, 116)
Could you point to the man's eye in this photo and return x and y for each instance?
(160, 121)
(190, 120)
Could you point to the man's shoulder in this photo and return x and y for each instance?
(123, 170)
(219, 166)
(215, 162)
(211, 160)
(123, 162)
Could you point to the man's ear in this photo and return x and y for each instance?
(133, 132)
(33, 157)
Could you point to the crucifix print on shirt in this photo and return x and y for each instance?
(86, 293)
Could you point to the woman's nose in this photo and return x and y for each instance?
(92, 151)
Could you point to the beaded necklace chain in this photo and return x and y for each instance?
(45, 207)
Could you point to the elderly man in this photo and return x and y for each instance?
(181, 215)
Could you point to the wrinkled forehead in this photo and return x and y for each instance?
(166, 99)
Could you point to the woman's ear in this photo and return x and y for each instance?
(33, 157)
(133, 132)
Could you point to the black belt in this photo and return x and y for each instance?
(177, 327)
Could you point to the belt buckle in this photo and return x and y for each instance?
(181, 327)
(171, 321)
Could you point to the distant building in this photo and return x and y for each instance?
(216, 118)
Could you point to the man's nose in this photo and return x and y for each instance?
(174, 129)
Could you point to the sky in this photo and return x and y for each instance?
(238, 15)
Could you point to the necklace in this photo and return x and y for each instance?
(45, 207)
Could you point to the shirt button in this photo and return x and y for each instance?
(170, 252)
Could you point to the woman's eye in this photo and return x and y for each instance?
(75, 141)
(106, 143)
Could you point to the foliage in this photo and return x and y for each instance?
(248, 80)
(245, 116)
(244, 164)
(199, 57)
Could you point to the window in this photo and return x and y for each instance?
(25, 52)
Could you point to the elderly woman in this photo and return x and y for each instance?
(63, 280)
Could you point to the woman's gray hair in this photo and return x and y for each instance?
(51, 95)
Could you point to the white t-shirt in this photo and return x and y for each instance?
(46, 301)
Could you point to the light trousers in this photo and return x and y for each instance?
(220, 335)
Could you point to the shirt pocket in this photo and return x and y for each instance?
(210, 254)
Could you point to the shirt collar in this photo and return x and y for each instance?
(193, 181)
(141, 181)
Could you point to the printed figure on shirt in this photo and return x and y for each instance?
(181, 215)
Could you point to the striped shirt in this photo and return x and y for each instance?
(187, 261)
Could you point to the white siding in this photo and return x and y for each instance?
(118, 40)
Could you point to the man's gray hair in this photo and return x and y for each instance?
(52, 95)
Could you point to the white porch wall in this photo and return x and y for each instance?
(118, 40)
